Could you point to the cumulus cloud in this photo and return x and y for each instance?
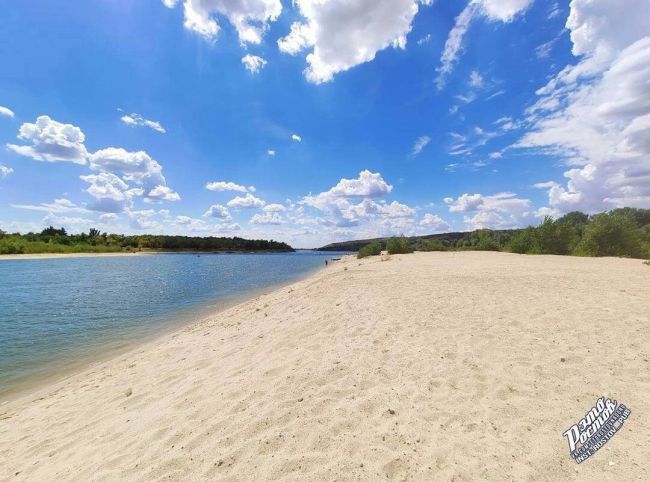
(435, 223)
(111, 193)
(5, 171)
(218, 211)
(246, 202)
(499, 211)
(138, 167)
(6, 112)
(51, 141)
(493, 10)
(274, 208)
(269, 218)
(271, 152)
(227, 186)
(352, 202)
(341, 34)
(253, 63)
(160, 194)
(250, 18)
(296, 137)
(420, 144)
(62, 205)
(135, 120)
(596, 114)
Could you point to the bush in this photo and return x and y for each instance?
(398, 245)
(524, 242)
(611, 234)
(372, 249)
(430, 245)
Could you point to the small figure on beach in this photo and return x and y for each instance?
(325, 262)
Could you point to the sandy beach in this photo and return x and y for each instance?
(428, 366)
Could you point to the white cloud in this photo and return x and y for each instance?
(246, 202)
(475, 79)
(342, 34)
(596, 114)
(109, 217)
(253, 63)
(228, 186)
(51, 141)
(5, 171)
(250, 18)
(494, 10)
(160, 194)
(420, 144)
(267, 218)
(435, 223)
(499, 211)
(217, 211)
(111, 193)
(62, 205)
(138, 167)
(6, 112)
(135, 120)
(271, 152)
(368, 184)
(296, 137)
(274, 208)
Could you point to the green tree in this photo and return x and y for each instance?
(430, 245)
(611, 234)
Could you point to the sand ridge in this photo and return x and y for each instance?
(429, 366)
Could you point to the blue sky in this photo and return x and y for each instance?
(321, 120)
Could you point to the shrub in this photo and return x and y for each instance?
(611, 234)
(398, 245)
(430, 245)
(524, 242)
(372, 249)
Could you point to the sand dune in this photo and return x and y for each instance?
(430, 366)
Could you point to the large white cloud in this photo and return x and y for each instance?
(434, 223)
(341, 34)
(499, 211)
(596, 114)
(250, 18)
(112, 194)
(51, 141)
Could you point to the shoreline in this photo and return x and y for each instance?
(176, 322)
(368, 369)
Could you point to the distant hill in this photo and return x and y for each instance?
(447, 238)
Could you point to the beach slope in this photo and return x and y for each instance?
(429, 366)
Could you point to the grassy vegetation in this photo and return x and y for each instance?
(372, 249)
(623, 232)
(52, 240)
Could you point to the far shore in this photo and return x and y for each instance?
(8, 257)
(426, 366)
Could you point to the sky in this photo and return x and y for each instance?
(316, 121)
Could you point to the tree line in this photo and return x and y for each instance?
(57, 240)
(623, 232)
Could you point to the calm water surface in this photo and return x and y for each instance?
(56, 313)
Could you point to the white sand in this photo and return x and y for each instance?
(430, 366)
